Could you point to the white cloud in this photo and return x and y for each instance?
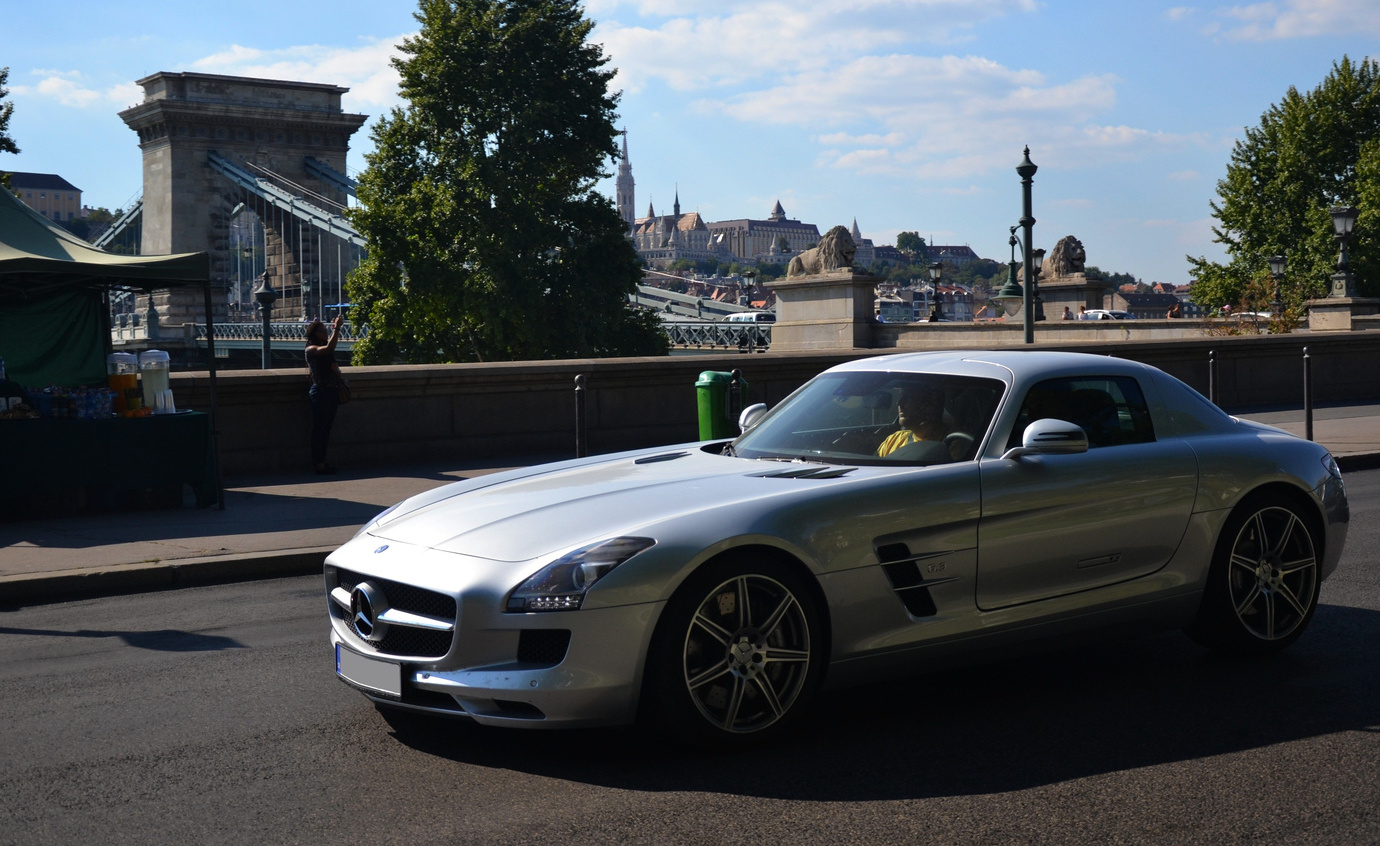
(1298, 19)
(1184, 176)
(67, 88)
(364, 69)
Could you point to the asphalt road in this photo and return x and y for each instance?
(212, 716)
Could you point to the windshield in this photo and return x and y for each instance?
(877, 418)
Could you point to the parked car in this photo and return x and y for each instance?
(1107, 314)
(714, 587)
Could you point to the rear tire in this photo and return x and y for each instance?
(738, 653)
(1263, 587)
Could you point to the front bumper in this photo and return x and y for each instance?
(487, 669)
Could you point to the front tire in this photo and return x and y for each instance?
(1263, 586)
(738, 652)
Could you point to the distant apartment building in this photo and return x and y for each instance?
(48, 194)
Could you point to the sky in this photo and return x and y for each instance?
(901, 114)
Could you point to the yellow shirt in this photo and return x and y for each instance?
(895, 441)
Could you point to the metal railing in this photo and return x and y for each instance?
(295, 331)
(697, 333)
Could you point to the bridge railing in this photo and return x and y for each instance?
(295, 331)
(698, 333)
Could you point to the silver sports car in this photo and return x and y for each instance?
(891, 512)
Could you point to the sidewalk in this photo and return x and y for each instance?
(285, 525)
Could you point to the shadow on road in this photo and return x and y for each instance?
(1089, 711)
(163, 640)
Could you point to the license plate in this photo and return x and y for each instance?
(382, 676)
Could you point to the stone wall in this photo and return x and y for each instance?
(525, 411)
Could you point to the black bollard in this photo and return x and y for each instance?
(1307, 395)
(581, 441)
(1212, 376)
(734, 406)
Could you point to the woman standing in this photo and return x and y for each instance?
(325, 388)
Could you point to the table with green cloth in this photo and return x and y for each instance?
(109, 458)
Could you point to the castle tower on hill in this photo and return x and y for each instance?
(624, 187)
(663, 239)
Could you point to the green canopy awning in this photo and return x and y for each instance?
(37, 256)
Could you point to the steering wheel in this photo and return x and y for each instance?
(959, 443)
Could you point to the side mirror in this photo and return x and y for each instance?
(751, 416)
(1050, 437)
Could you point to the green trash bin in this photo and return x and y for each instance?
(712, 391)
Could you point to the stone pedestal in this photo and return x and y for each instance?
(1334, 314)
(1072, 290)
(828, 311)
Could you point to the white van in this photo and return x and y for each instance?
(752, 317)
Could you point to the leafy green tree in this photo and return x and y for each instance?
(913, 246)
(1311, 151)
(486, 237)
(7, 144)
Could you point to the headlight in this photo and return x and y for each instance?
(561, 585)
(378, 518)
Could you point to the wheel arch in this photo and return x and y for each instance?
(1280, 490)
(795, 565)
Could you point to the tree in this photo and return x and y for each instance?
(486, 237)
(913, 246)
(1310, 152)
(7, 144)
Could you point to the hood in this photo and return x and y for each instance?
(545, 512)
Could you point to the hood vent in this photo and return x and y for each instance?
(665, 456)
(811, 471)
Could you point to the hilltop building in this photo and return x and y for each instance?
(48, 194)
(775, 239)
(663, 239)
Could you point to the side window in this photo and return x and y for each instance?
(1111, 409)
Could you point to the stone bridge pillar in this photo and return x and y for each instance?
(829, 311)
(187, 204)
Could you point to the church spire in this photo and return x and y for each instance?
(624, 187)
(676, 208)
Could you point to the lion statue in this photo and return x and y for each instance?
(836, 249)
(1066, 259)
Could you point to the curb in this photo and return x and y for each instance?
(1358, 461)
(39, 589)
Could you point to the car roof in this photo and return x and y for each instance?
(1007, 365)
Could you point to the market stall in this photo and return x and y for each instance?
(54, 330)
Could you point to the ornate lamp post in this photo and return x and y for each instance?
(1343, 220)
(936, 310)
(1034, 310)
(1011, 294)
(1277, 274)
(265, 296)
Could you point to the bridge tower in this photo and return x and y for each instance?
(257, 124)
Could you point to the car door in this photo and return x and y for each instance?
(1053, 525)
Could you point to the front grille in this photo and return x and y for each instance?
(543, 646)
(406, 640)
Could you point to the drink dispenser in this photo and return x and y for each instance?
(122, 372)
(153, 370)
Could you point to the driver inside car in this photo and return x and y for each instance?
(920, 413)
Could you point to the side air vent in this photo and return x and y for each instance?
(903, 571)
